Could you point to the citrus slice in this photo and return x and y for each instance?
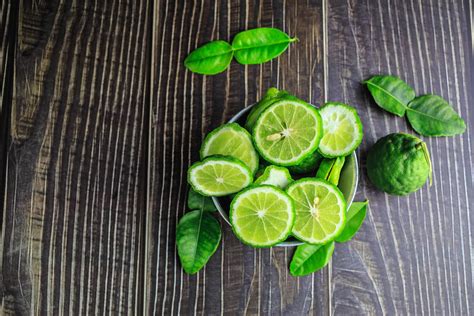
(342, 130)
(262, 216)
(231, 140)
(287, 132)
(271, 96)
(276, 176)
(219, 176)
(320, 210)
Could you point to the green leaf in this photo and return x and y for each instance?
(210, 59)
(431, 115)
(354, 219)
(310, 258)
(260, 45)
(197, 237)
(197, 201)
(330, 169)
(390, 93)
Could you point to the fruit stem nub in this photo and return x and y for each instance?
(428, 160)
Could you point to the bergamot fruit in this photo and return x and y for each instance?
(399, 164)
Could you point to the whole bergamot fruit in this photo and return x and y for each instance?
(399, 164)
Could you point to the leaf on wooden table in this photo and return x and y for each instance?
(308, 258)
(390, 93)
(210, 59)
(197, 201)
(431, 115)
(197, 237)
(354, 218)
(260, 45)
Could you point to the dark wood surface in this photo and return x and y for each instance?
(75, 195)
(102, 121)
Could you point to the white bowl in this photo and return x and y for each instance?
(347, 182)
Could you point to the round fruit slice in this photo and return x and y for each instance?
(219, 176)
(271, 96)
(231, 140)
(287, 132)
(342, 130)
(262, 216)
(320, 210)
(276, 176)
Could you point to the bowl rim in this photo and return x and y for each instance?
(293, 243)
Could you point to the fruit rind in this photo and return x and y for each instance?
(397, 164)
(309, 164)
(218, 158)
(309, 151)
(342, 212)
(238, 129)
(267, 173)
(282, 194)
(355, 120)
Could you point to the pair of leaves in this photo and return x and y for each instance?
(429, 115)
(198, 233)
(249, 47)
(330, 169)
(308, 258)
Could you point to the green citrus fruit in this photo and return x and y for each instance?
(287, 132)
(399, 164)
(219, 176)
(320, 210)
(308, 164)
(262, 216)
(271, 96)
(231, 140)
(276, 176)
(342, 130)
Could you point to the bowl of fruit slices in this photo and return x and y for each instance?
(282, 172)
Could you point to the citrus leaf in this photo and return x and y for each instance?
(431, 115)
(260, 45)
(197, 201)
(210, 59)
(310, 258)
(390, 93)
(330, 169)
(355, 217)
(197, 237)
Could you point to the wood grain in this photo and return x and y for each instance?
(7, 33)
(186, 106)
(102, 121)
(412, 256)
(76, 160)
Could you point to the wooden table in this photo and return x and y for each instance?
(100, 121)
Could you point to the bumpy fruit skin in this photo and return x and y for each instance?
(398, 164)
(308, 164)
